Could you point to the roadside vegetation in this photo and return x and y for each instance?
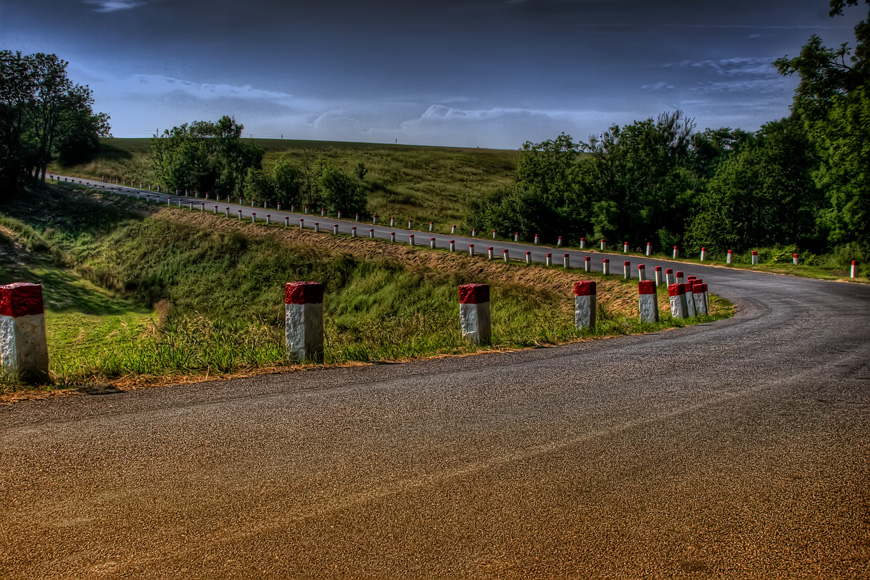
(138, 294)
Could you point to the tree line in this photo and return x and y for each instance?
(43, 116)
(212, 157)
(801, 181)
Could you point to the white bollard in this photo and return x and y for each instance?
(648, 302)
(303, 317)
(409, 224)
(658, 271)
(278, 206)
(582, 243)
(338, 215)
(452, 245)
(516, 236)
(669, 277)
(794, 259)
(699, 295)
(489, 253)
(252, 203)
(625, 247)
(323, 212)
(587, 264)
(474, 315)
(371, 233)
(641, 272)
(853, 271)
(317, 227)
(626, 270)
(253, 218)
(392, 222)
(240, 215)
(375, 219)
(334, 229)
(353, 232)
(305, 209)
(215, 210)
(528, 258)
(268, 219)
(690, 299)
(493, 234)
(431, 226)
(728, 258)
(680, 278)
(392, 237)
(506, 256)
(431, 243)
(754, 257)
(648, 248)
(471, 250)
(301, 224)
(559, 242)
(703, 254)
(549, 261)
(605, 266)
(23, 346)
(676, 252)
(286, 221)
(677, 295)
(602, 243)
(453, 229)
(411, 239)
(566, 261)
(584, 305)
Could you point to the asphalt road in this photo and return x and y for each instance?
(739, 449)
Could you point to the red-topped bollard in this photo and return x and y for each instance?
(669, 277)
(582, 243)
(303, 317)
(677, 295)
(853, 271)
(23, 347)
(587, 264)
(648, 301)
(700, 298)
(658, 271)
(754, 257)
(584, 304)
(794, 259)
(474, 315)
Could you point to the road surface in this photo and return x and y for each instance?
(738, 449)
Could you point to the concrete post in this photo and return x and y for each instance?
(431, 243)
(23, 346)
(602, 244)
(649, 304)
(658, 275)
(728, 257)
(537, 239)
(528, 258)
(507, 256)
(253, 218)
(794, 259)
(474, 315)
(669, 277)
(453, 229)
(392, 237)
(584, 305)
(317, 227)
(392, 222)
(677, 295)
(452, 246)
(648, 248)
(680, 277)
(215, 210)
(301, 223)
(587, 264)
(338, 215)
(489, 253)
(303, 317)
(605, 266)
(431, 226)
(286, 221)
(240, 215)
(323, 212)
(676, 252)
(268, 219)
(690, 300)
(582, 243)
(353, 232)
(471, 250)
(625, 247)
(516, 236)
(549, 261)
(626, 270)
(699, 295)
(334, 229)
(641, 272)
(754, 257)
(411, 239)
(227, 212)
(473, 232)
(703, 254)
(559, 242)
(566, 261)
(493, 234)
(853, 271)
(371, 233)
(410, 222)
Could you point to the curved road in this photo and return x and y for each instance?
(739, 449)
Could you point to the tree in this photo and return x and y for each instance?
(832, 101)
(205, 156)
(340, 192)
(42, 115)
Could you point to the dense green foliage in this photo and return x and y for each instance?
(43, 116)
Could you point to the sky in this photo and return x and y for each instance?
(464, 73)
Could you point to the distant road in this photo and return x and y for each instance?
(739, 449)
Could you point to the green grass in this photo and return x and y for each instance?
(407, 182)
(133, 297)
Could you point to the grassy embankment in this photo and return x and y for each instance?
(137, 293)
(405, 181)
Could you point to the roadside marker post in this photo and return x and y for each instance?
(582, 243)
(537, 239)
(516, 236)
(699, 296)
(677, 296)
(584, 304)
(303, 317)
(371, 233)
(431, 243)
(605, 266)
(641, 272)
(566, 261)
(658, 271)
(549, 261)
(334, 229)
(471, 250)
(506, 256)
(676, 252)
(703, 254)
(602, 244)
(625, 247)
(680, 277)
(474, 313)
(392, 237)
(728, 257)
(452, 246)
(587, 264)
(528, 258)
(317, 227)
(353, 232)
(23, 345)
(690, 299)
(559, 242)
(648, 302)
(626, 270)
(669, 277)
(648, 248)
(411, 239)
(853, 272)
(489, 253)
(754, 257)
(795, 258)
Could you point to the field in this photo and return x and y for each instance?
(137, 294)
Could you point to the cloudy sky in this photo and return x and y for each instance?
(487, 73)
